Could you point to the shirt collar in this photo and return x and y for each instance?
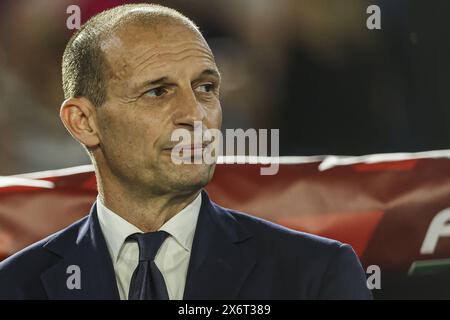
(116, 229)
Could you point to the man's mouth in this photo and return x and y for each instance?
(193, 148)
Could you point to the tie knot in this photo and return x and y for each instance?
(149, 243)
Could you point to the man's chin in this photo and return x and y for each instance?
(191, 176)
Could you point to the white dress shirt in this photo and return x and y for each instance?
(172, 258)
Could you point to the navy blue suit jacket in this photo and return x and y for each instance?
(234, 256)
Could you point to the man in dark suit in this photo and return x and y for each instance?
(131, 76)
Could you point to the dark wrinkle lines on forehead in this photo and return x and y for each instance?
(161, 65)
(154, 46)
(159, 58)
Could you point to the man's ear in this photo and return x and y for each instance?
(78, 116)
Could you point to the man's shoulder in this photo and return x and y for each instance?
(278, 238)
(328, 268)
(36, 258)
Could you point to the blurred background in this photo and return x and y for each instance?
(310, 68)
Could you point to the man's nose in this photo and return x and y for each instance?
(189, 111)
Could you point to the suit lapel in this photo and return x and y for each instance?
(221, 257)
(86, 250)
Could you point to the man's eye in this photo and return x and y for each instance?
(207, 87)
(156, 92)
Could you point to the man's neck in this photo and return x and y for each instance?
(146, 212)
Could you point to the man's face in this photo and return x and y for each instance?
(163, 79)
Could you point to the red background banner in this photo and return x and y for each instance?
(382, 205)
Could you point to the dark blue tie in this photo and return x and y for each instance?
(147, 282)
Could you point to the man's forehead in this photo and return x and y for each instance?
(135, 49)
(144, 56)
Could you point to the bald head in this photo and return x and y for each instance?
(86, 67)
